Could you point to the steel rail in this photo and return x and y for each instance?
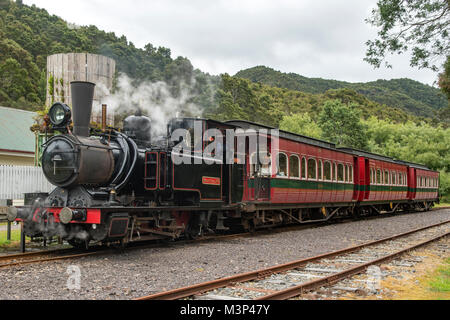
(298, 290)
(11, 264)
(32, 254)
(188, 291)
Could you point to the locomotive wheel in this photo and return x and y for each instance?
(194, 231)
(79, 244)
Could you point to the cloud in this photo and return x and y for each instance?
(313, 38)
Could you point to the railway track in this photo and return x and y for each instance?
(293, 279)
(72, 253)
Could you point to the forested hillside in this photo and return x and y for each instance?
(412, 96)
(239, 98)
(29, 34)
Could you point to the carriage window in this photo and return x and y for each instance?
(266, 168)
(400, 181)
(350, 173)
(327, 171)
(386, 177)
(282, 166)
(304, 167)
(378, 176)
(371, 176)
(394, 178)
(312, 169)
(320, 170)
(340, 172)
(294, 167)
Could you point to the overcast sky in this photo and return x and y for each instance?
(314, 38)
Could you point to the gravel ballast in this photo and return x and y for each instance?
(141, 272)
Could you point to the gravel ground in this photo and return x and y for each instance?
(144, 271)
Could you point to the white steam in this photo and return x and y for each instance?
(157, 100)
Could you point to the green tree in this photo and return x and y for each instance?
(301, 124)
(341, 124)
(418, 26)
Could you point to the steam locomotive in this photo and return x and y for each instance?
(122, 186)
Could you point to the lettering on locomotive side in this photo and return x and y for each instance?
(211, 181)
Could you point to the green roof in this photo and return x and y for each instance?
(15, 131)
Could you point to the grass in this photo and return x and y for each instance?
(440, 281)
(442, 204)
(15, 239)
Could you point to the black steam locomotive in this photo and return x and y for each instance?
(122, 186)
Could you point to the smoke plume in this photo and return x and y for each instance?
(159, 101)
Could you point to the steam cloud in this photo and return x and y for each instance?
(157, 100)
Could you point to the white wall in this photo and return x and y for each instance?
(17, 180)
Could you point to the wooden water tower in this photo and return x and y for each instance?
(66, 67)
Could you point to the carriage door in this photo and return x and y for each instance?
(233, 185)
(262, 181)
(367, 185)
(262, 188)
(237, 182)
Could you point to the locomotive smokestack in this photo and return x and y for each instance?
(82, 98)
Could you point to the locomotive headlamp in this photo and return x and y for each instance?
(59, 114)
